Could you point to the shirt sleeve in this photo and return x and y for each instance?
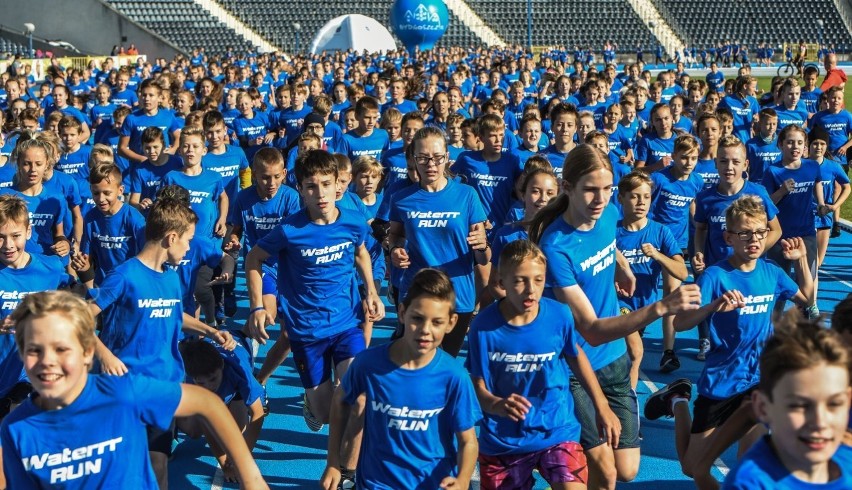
(274, 241)
(156, 400)
(13, 467)
(465, 407)
(110, 290)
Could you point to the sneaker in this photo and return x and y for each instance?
(264, 400)
(658, 404)
(835, 230)
(347, 480)
(669, 362)
(811, 312)
(313, 423)
(703, 349)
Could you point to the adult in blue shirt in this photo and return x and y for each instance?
(439, 223)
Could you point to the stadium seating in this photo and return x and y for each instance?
(754, 21)
(184, 23)
(10, 48)
(556, 22)
(273, 19)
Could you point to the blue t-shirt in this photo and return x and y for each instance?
(97, 441)
(587, 258)
(126, 97)
(249, 129)
(77, 166)
(737, 337)
(811, 99)
(744, 111)
(65, 185)
(556, 159)
(411, 418)
(619, 141)
(715, 81)
(146, 178)
(796, 209)
(42, 273)
(505, 235)
(205, 190)
(46, 212)
(760, 469)
(142, 317)
(355, 145)
(404, 107)
(111, 240)
(710, 207)
(138, 121)
(838, 126)
(102, 112)
(646, 269)
(258, 217)
(202, 251)
(797, 116)
(706, 169)
(672, 199)
(761, 154)
(228, 165)
(317, 290)
(494, 182)
(237, 375)
(527, 360)
(831, 173)
(436, 228)
(394, 163)
(652, 148)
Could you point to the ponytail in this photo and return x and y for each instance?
(546, 216)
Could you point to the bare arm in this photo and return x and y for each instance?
(259, 318)
(125, 151)
(198, 401)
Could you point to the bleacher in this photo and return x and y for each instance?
(706, 22)
(556, 22)
(273, 19)
(184, 23)
(9, 48)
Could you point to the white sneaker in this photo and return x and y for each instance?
(703, 349)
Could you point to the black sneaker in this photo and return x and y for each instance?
(835, 230)
(658, 404)
(669, 362)
(230, 306)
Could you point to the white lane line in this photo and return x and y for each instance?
(652, 387)
(841, 281)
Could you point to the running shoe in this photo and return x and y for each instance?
(811, 312)
(310, 419)
(703, 349)
(659, 404)
(669, 362)
(835, 230)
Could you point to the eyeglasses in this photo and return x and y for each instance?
(746, 236)
(426, 160)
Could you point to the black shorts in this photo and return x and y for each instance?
(709, 413)
(160, 441)
(615, 384)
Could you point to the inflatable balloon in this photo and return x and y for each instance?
(419, 23)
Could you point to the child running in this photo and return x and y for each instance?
(405, 413)
(737, 297)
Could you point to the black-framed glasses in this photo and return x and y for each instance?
(746, 236)
(426, 160)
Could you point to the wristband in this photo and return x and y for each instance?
(86, 275)
(256, 309)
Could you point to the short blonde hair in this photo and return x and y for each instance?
(73, 308)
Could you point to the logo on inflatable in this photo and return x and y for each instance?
(419, 23)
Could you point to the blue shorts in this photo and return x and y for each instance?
(270, 284)
(316, 359)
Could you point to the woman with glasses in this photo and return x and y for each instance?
(439, 223)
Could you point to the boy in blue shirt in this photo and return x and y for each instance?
(366, 139)
(257, 211)
(762, 150)
(737, 297)
(21, 273)
(228, 374)
(112, 232)
(148, 115)
(97, 422)
(528, 419)
(74, 160)
(319, 250)
(405, 412)
(803, 398)
(147, 177)
(142, 313)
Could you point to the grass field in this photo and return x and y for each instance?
(764, 83)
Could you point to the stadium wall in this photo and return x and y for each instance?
(91, 26)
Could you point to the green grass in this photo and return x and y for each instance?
(764, 83)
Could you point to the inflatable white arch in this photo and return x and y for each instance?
(353, 31)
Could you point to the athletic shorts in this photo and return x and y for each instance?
(615, 383)
(270, 284)
(562, 463)
(160, 441)
(315, 360)
(709, 413)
